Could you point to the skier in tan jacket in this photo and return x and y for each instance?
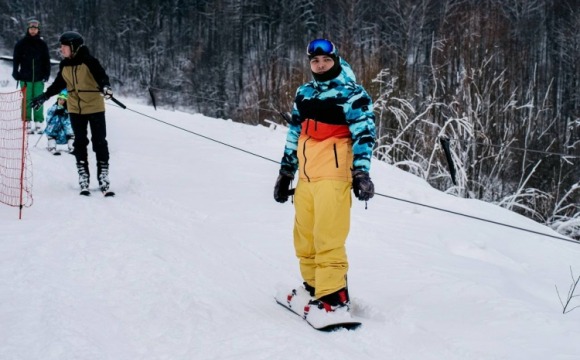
(88, 86)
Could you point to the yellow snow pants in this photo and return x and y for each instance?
(321, 227)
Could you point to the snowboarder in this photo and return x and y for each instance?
(330, 139)
(87, 84)
(58, 128)
(31, 67)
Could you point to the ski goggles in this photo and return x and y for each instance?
(320, 47)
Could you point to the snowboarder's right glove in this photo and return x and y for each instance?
(59, 111)
(282, 187)
(363, 187)
(37, 102)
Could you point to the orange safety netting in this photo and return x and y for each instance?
(15, 166)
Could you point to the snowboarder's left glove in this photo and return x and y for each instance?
(59, 111)
(107, 92)
(37, 102)
(363, 187)
(282, 187)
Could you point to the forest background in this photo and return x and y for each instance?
(494, 81)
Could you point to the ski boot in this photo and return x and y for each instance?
(84, 177)
(103, 176)
(29, 128)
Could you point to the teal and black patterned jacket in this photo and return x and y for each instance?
(332, 130)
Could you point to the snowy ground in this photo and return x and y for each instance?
(184, 262)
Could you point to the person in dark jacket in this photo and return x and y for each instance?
(31, 63)
(88, 85)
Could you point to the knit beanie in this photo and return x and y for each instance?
(33, 23)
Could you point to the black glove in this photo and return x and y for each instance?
(37, 102)
(16, 76)
(282, 187)
(59, 111)
(363, 187)
(107, 92)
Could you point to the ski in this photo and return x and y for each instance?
(85, 193)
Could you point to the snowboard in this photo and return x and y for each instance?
(297, 302)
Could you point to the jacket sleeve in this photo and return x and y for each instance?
(16, 62)
(45, 62)
(98, 72)
(57, 85)
(289, 163)
(361, 123)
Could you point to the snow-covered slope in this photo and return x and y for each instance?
(184, 262)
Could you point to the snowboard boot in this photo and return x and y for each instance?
(84, 177)
(330, 311)
(51, 145)
(338, 300)
(39, 130)
(296, 299)
(103, 176)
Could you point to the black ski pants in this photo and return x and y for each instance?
(96, 121)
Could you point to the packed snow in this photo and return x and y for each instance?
(184, 262)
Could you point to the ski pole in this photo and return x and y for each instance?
(40, 137)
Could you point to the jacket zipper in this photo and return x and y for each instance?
(75, 82)
(305, 159)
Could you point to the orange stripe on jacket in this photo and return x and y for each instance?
(321, 131)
